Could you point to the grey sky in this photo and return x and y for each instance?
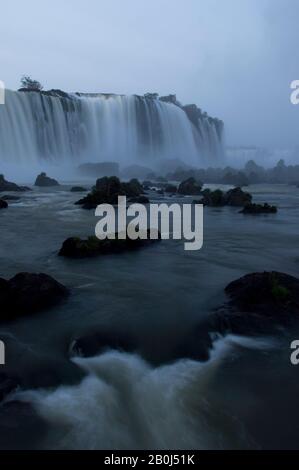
(234, 58)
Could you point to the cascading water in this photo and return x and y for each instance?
(53, 127)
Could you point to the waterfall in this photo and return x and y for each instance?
(54, 127)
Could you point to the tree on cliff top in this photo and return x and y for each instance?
(30, 84)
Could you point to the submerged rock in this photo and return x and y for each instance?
(190, 187)
(212, 198)
(256, 209)
(92, 246)
(78, 189)
(3, 204)
(259, 303)
(43, 181)
(107, 190)
(28, 293)
(8, 186)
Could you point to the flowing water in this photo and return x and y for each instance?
(244, 397)
(36, 127)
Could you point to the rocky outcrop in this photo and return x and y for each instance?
(107, 190)
(3, 204)
(258, 304)
(8, 186)
(92, 246)
(234, 197)
(256, 209)
(28, 293)
(237, 198)
(43, 181)
(190, 187)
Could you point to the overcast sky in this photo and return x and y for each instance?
(233, 58)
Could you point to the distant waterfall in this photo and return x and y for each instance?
(55, 127)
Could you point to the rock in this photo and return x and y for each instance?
(237, 198)
(256, 209)
(160, 191)
(8, 186)
(43, 181)
(258, 304)
(91, 247)
(107, 190)
(97, 343)
(78, 189)
(3, 204)
(212, 198)
(171, 188)
(29, 293)
(190, 187)
(234, 197)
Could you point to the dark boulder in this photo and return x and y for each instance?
(190, 187)
(107, 190)
(256, 209)
(258, 304)
(3, 204)
(8, 186)
(237, 198)
(43, 181)
(234, 197)
(92, 246)
(28, 293)
(212, 198)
